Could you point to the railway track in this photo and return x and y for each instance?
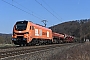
(4, 49)
(14, 52)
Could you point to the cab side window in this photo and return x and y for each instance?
(32, 27)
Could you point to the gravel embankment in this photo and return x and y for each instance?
(58, 53)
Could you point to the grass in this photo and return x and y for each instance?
(6, 45)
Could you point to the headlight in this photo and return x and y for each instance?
(24, 38)
(13, 39)
(27, 32)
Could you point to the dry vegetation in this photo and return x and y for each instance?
(81, 52)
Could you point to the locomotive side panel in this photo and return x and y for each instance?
(42, 32)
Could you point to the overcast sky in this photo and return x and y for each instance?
(54, 11)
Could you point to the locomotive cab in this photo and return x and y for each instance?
(21, 32)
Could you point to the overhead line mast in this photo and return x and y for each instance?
(44, 21)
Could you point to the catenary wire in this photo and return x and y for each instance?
(47, 10)
(51, 8)
(21, 9)
(25, 7)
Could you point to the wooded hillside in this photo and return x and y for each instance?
(77, 28)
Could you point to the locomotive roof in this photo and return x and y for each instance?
(40, 26)
(34, 24)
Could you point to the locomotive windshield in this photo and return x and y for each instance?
(21, 25)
